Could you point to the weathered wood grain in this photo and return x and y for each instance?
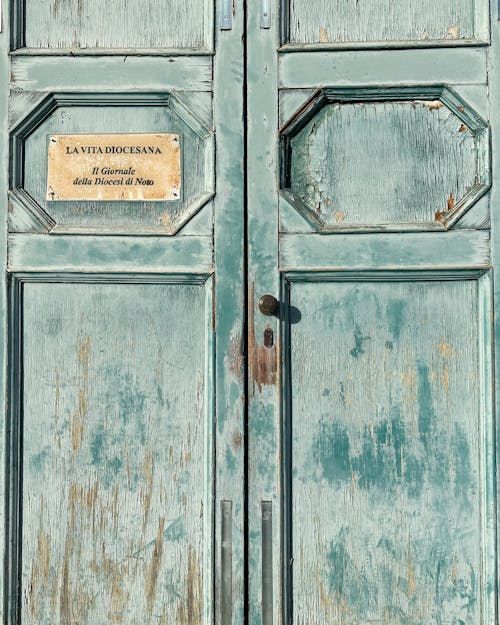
(413, 250)
(83, 24)
(78, 253)
(325, 21)
(264, 378)
(197, 181)
(117, 454)
(493, 513)
(379, 67)
(386, 453)
(40, 73)
(383, 162)
(229, 318)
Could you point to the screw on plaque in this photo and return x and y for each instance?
(268, 305)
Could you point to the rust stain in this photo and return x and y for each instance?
(152, 572)
(463, 128)
(461, 108)
(323, 35)
(451, 202)
(263, 361)
(339, 216)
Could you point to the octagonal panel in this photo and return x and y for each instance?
(397, 159)
(101, 114)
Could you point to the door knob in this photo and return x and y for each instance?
(268, 305)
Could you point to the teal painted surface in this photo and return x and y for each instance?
(103, 73)
(383, 162)
(117, 453)
(321, 21)
(343, 252)
(382, 67)
(197, 181)
(387, 452)
(80, 24)
(189, 254)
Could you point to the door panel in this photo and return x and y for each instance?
(174, 453)
(123, 436)
(323, 22)
(389, 426)
(188, 116)
(374, 451)
(124, 472)
(397, 137)
(75, 24)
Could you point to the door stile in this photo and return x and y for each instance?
(492, 502)
(264, 376)
(4, 168)
(229, 318)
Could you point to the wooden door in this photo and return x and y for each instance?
(372, 220)
(175, 455)
(124, 457)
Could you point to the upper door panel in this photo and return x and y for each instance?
(81, 24)
(387, 22)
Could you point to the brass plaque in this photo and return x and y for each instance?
(128, 167)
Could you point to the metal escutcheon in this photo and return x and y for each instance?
(268, 305)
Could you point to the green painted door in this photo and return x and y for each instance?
(174, 455)
(124, 457)
(372, 220)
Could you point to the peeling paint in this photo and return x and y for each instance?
(323, 35)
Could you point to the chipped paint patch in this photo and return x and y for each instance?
(453, 32)
(323, 35)
(432, 105)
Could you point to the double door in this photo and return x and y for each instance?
(255, 383)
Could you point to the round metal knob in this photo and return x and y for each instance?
(268, 305)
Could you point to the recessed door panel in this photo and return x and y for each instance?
(116, 460)
(348, 22)
(388, 437)
(80, 24)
